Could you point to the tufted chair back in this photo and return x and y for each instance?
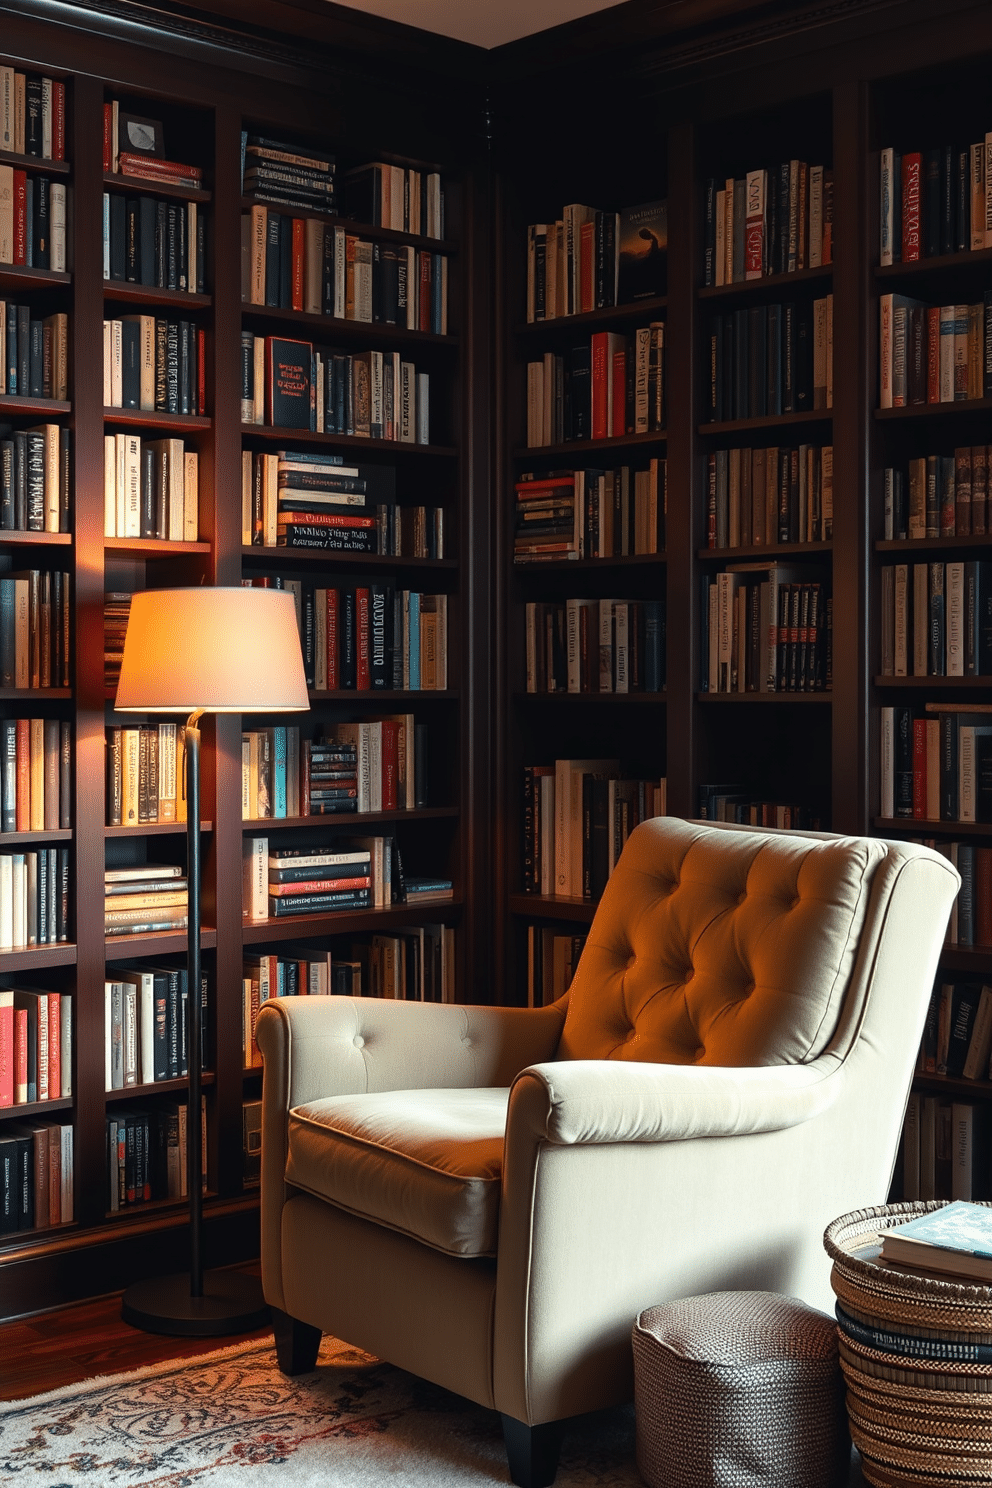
(719, 947)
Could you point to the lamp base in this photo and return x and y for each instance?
(231, 1303)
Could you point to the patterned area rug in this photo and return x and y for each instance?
(231, 1420)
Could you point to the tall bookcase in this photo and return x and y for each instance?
(319, 98)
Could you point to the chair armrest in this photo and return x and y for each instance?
(580, 1101)
(324, 1046)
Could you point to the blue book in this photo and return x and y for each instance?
(413, 640)
(956, 1238)
(279, 772)
(8, 635)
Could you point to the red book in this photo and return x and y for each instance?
(108, 138)
(23, 775)
(324, 519)
(618, 402)
(165, 170)
(319, 886)
(305, 778)
(333, 642)
(6, 1049)
(201, 372)
(587, 267)
(299, 249)
(54, 1051)
(912, 170)
(20, 1056)
(390, 764)
(983, 896)
(979, 489)
(600, 386)
(363, 680)
(20, 217)
(933, 354)
(58, 120)
(920, 768)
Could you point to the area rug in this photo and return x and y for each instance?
(230, 1419)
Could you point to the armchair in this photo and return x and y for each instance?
(488, 1196)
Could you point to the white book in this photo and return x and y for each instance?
(255, 901)
(191, 495)
(606, 645)
(954, 629)
(887, 762)
(116, 364)
(340, 272)
(67, 1175)
(946, 352)
(57, 207)
(20, 898)
(258, 380)
(887, 224)
(108, 363)
(132, 485)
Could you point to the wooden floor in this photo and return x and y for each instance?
(76, 1343)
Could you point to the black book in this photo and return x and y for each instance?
(715, 369)
(182, 248)
(727, 364)
(10, 368)
(35, 481)
(9, 1204)
(285, 300)
(33, 128)
(758, 361)
(149, 493)
(781, 245)
(130, 363)
(948, 194)
(347, 640)
(185, 367)
(931, 203)
(962, 237)
(147, 212)
(42, 211)
(741, 366)
(20, 481)
(787, 327)
(272, 259)
(172, 367)
(23, 1174)
(118, 237)
(161, 260)
(936, 621)
(579, 393)
(201, 251)
(389, 270)
(964, 1007)
(62, 901)
(172, 245)
(132, 242)
(709, 233)
(804, 359)
(773, 360)
(902, 760)
(380, 636)
(377, 295)
(7, 490)
(983, 777)
(24, 350)
(36, 359)
(287, 367)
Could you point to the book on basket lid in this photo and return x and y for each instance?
(956, 1239)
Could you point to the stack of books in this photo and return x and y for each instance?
(32, 220)
(939, 496)
(596, 645)
(146, 1154)
(145, 1025)
(732, 803)
(767, 360)
(32, 114)
(935, 619)
(149, 897)
(34, 898)
(591, 260)
(287, 175)
(766, 627)
(937, 768)
(146, 774)
(607, 389)
(305, 881)
(395, 196)
(116, 609)
(154, 364)
(774, 221)
(577, 815)
(770, 495)
(34, 354)
(552, 959)
(932, 353)
(36, 1174)
(35, 774)
(158, 244)
(151, 488)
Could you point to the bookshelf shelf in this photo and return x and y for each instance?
(578, 447)
(967, 958)
(767, 283)
(151, 419)
(20, 839)
(583, 565)
(769, 421)
(120, 292)
(951, 1085)
(550, 907)
(40, 407)
(347, 922)
(323, 558)
(366, 230)
(787, 698)
(36, 164)
(934, 410)
(567, 699)
(26, 694)
(921, 545)
(382, 695)
(156, 943)
(772, 552)
(16, 278)
(168, 190)
(941, 684)
(919, 826)
(979, 258)
(35, 1108)
(29, 957)
(154, 547)
(155, 829)
(333, 329)
(348, 821)
(158, 1087)
(37, 539)
(564, 326)
(289, 437)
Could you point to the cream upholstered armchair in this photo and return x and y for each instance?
(488, 1196)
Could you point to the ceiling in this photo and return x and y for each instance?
(482, 22)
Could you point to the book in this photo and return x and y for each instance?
(955, 1240)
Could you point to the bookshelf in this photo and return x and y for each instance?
(110, 1247)
(706, 99)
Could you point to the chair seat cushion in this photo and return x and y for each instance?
(425, 1162)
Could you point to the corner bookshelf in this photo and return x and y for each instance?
(111, 1246)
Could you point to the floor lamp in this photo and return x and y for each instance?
(196, 651)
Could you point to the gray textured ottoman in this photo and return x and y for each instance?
(739, 1390)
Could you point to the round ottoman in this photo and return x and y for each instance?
(739, 1390)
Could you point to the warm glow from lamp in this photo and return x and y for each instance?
(212, 650)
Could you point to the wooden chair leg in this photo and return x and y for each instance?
(296, 1343)
(532, 1451)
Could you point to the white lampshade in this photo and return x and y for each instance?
(216, 650)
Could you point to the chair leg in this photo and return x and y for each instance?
(532, 1451)
(296, 1343)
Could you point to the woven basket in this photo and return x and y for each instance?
(916, 1422)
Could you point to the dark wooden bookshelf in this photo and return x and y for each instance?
(921, 826)
(36, 165)
(710, 96)
(365, 230)
(910, 545)
(347, 821)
